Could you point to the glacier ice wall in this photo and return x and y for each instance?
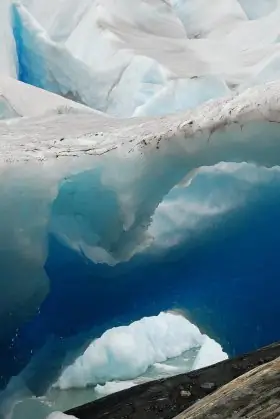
(115, 219)
(102, 87)
(129, 218)
(149, 59)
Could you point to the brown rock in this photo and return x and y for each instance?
(255, 394)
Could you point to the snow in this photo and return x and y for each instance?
(125, 352)
(18, 99)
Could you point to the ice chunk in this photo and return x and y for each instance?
(60, 415)
(210, 353)
(126, 352)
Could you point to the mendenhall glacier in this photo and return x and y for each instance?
(140, 167)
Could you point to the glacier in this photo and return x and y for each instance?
(141, 208)
(140, 166)
(138, 63)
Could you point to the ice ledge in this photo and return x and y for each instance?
(56, 136)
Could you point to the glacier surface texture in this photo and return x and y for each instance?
(140, 167)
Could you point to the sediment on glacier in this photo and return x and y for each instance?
(247, 385)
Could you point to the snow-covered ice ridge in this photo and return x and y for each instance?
(195, 133)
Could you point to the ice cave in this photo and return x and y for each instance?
(140, 168)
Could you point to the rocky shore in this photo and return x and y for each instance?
(243, 387)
